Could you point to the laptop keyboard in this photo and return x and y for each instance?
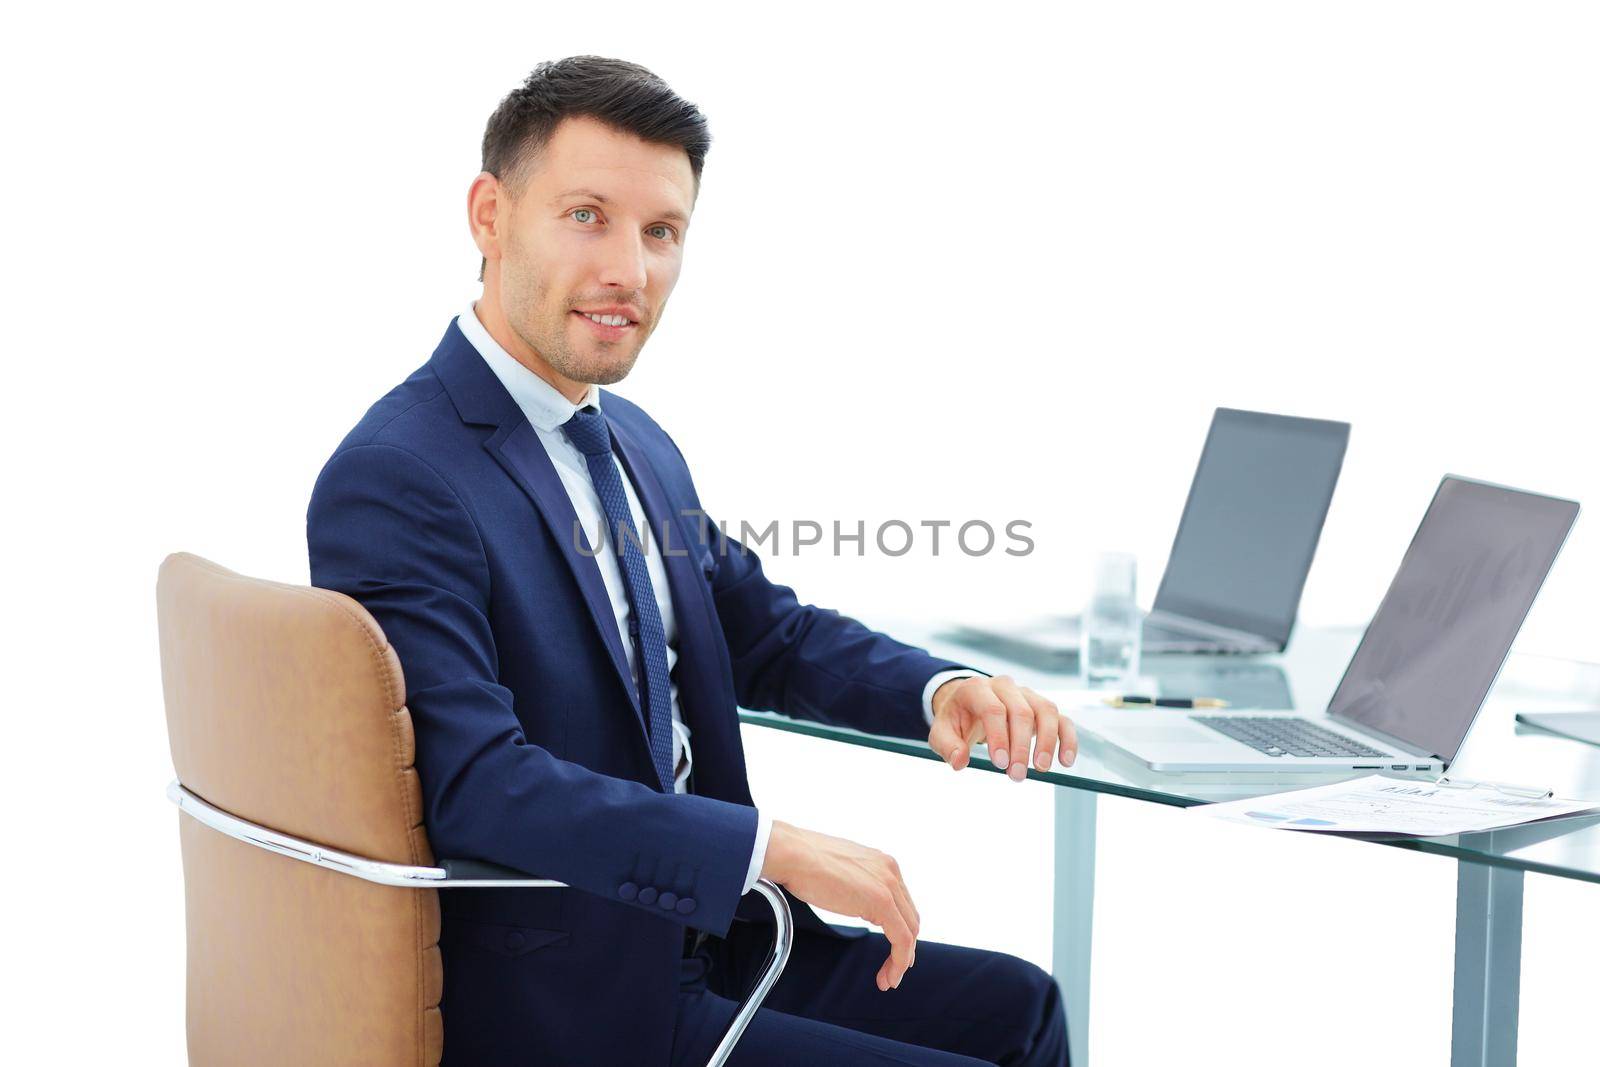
(1278, 736)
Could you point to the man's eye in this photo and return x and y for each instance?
(662, 232)
(577, 212)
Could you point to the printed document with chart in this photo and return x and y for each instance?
(1379, 804)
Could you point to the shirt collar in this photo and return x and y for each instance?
(540, 401)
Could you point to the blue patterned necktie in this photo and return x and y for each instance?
(589, 433)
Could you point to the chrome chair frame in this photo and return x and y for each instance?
(492, 876)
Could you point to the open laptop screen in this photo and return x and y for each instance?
(1251, 524)
(1445, 626)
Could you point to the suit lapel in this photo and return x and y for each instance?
(480, 399)
(523, 456)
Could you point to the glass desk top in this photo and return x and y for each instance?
(1498, 749)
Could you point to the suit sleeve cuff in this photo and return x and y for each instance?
(933, 685)
(758, 855)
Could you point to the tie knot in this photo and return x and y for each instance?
(588, 432)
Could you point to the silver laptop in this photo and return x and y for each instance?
(1424, 665)
(1248, 534)
(1241, 554)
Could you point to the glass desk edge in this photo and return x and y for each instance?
(1450, 847)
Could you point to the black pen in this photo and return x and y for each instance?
(1165, 702)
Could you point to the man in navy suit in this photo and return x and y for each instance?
(576, 636)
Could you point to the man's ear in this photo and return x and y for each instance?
(485, 198)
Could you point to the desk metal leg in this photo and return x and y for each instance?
(1483, 1030)
(1074, 912)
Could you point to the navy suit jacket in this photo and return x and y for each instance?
(442, 514)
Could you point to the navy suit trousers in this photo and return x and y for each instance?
(958, 1007)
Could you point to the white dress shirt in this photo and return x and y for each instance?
(546, 410)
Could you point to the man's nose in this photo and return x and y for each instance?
(622, 264)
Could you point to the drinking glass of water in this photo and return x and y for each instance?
(1110, 652)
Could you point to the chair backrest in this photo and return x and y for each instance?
(286, 707)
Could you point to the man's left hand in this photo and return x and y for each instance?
(1011, 718)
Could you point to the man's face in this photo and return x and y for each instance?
(596, 231)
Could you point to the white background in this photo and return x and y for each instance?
(996, 262)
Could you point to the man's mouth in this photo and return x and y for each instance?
(609, 325)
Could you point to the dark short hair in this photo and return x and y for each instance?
(623, 95)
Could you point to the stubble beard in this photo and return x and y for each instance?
(543, 323)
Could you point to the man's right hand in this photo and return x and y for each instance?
(851, 879)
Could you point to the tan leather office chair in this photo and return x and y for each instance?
(292, 742)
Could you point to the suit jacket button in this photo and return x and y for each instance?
(647, 895)
(515, 940)
(667, 901)
(685, 906)
(627, 890)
